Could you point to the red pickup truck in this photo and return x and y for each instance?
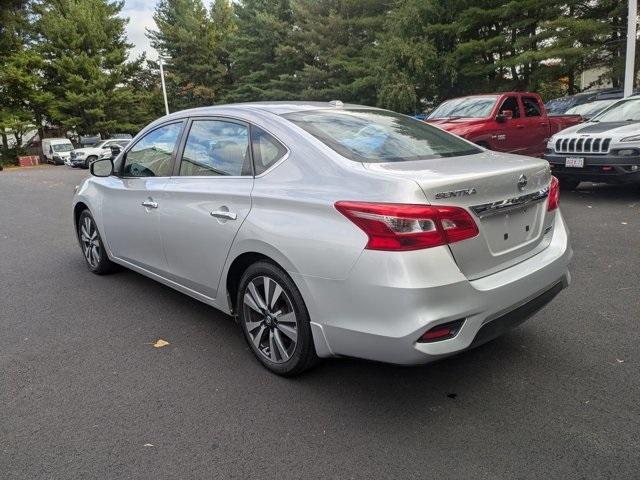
(514, 122)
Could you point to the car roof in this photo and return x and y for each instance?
(277, 108)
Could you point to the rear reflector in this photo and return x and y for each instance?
(401, 227)
(441, 332)
(554, 194)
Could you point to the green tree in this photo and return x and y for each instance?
(84, 50)
(256, 50)
(192, 45)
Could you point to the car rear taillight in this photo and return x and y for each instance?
(399, 227)
(554, 194)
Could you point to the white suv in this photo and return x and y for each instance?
(82, 157)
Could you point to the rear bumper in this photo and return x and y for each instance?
(597, 168)
(380, 311)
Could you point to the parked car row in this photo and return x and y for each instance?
(60, 151)
(598, 139)
(511, 122)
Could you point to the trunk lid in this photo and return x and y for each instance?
(512, 218)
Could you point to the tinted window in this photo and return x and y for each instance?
(216, 147)
(511, 103)
(151, 155)
(531, 107)
(379, 136)
(266, 150)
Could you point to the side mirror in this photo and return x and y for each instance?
(101, 168)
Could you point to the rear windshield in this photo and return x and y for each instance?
(373, 136)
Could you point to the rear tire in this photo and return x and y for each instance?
(95, 255)
(568, 183)
(275, 321)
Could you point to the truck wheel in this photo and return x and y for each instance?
(568, 183)
(89, 161)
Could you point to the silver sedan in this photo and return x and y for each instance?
(330, 229)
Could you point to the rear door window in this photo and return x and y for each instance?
(531, 107)
(216, 148)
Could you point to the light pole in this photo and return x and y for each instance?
(164, 88)
(632, 21)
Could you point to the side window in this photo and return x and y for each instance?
(531, 107)
(151, 155)
(266, 150)
(511, 103)
(216, 147)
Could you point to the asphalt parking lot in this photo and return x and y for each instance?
(84, 394)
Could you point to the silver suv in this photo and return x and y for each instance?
(330, 229)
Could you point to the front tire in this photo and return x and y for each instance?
(275, 321)
(93, 249)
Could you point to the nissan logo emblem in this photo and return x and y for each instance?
(522, 182)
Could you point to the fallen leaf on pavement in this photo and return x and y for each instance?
(161, 343)
(147, 445)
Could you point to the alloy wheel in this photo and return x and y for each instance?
(90, 241)
(270, 319)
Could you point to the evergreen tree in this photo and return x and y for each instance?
(258, 50)
(84, 49)
(192, 46)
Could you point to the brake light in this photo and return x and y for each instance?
(554, 194)
(400, 227)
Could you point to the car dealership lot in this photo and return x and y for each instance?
(86, 395)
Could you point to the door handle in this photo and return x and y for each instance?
(519, 126)
(224, 214)
(150, 204)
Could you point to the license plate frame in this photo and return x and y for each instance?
(574, 162)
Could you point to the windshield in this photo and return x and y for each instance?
(623, 111)
(590, 109)
(379, 136)
(62, 147)
(468, 107)
(99, 144)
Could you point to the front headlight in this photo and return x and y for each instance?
(550, 142)
(635, 138)
(79, 154)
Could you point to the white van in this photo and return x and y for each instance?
(56, 150)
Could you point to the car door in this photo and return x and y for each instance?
(535, 126)
(206, 201)
(508, 136)
(131, 199)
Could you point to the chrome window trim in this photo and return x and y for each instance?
(510, 204)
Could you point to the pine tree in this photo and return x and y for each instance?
(258, 61)
(191, 42)
(84, 49)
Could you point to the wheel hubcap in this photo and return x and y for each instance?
(270, 319)
(90, 243)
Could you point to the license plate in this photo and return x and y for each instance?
(575, 162)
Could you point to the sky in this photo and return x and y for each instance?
(140, 13)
